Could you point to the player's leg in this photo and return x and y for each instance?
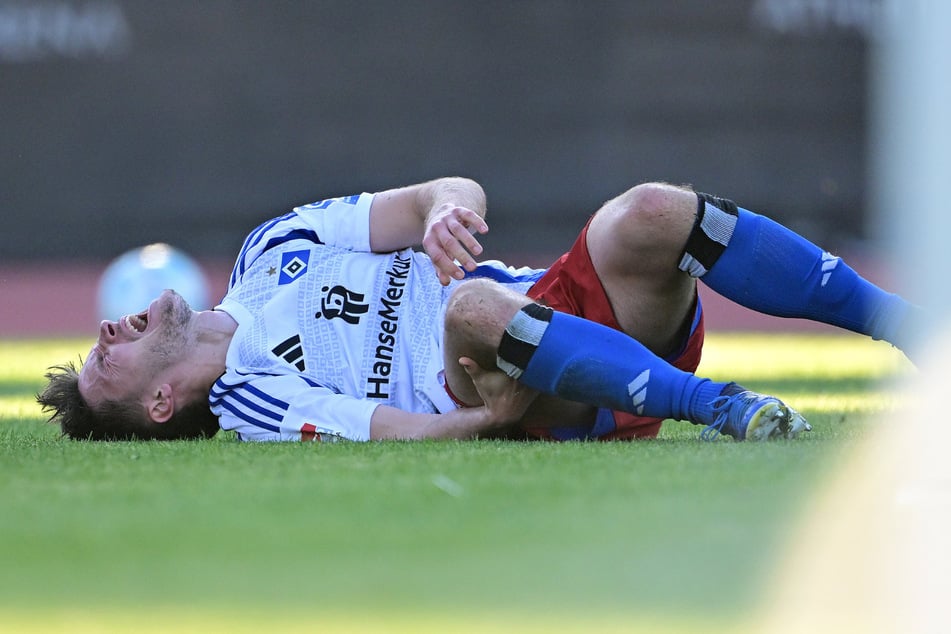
(585, 362)
(741, 255)
(475, 322)
(635, 241)
(771, 269)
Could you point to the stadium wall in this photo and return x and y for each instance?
(130, 121)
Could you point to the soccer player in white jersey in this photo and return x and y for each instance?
(333, 327)
(328, 330)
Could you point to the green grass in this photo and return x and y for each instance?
(417, 536)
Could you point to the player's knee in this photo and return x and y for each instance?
(463, 308)
(652, 206)
(643, 227)
(481, 308)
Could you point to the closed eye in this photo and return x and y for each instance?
(99, 358)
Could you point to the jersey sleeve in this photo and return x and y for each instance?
(340, 222)
(289, 407)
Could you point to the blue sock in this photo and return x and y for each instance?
(580, 360)
(770, 269)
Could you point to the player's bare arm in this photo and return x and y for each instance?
(440, 215)
(504, 404)
(390, 423)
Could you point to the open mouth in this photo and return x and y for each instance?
(137, 323)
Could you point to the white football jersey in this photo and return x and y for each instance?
(328, 330)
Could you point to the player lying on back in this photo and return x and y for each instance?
(334, 328)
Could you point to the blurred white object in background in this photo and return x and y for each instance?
(138, 276)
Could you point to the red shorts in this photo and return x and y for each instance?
(572, 286)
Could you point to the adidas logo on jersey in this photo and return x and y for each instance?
(637, 390)
(829, 262)
(291, 351)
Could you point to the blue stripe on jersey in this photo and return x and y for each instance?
(235, 395)
(311, 383)
(248, 418)
(282, 404)
(253, 239)
(504, 276)
(297, 234)
(230, 397)
(267, 398)
(221, 390)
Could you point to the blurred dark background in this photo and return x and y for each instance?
(131, 121)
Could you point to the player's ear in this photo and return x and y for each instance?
(161, 404)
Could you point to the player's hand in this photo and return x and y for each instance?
(504, 398)
(450, 242)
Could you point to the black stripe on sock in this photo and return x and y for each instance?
(723, 204)
(537, 311)
(700, 246)
(516, 351)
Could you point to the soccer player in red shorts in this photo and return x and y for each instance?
(615, 333)
(571, 285)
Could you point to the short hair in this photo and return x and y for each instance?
(116, 420)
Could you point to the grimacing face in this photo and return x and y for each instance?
(129, 352)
